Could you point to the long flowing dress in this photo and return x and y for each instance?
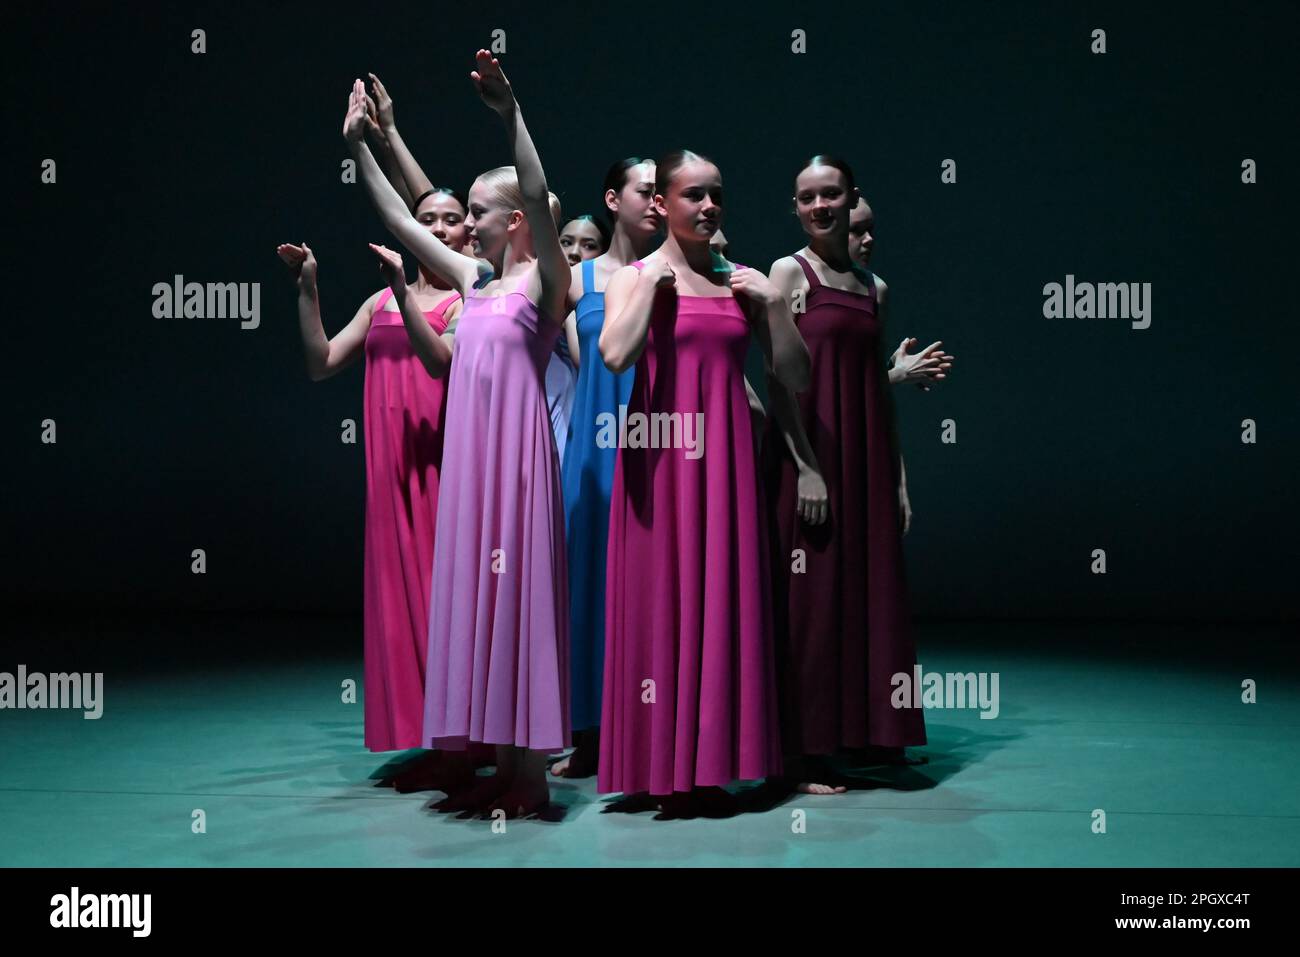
(588, 474)
(498, 669)
(561, 387)
(842, 621)
(403, 414)
(689, 695)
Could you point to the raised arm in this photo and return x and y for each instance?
(384, 152)
(456, 269)
(552, 264)
(417, 184)
(325, 357)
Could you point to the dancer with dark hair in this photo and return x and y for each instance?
(584, 237)
(628, 197)
(839, 503)
(403, 421)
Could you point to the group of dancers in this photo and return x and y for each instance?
(681, 621)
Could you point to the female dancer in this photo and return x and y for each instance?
(403, 412)
(689, 696)
(923, 368)
(584, 237)
(841, 616)
(589, 465)
(498, 623)
(581, 238)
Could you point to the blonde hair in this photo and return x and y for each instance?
(502, 185)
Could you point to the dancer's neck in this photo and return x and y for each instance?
(833, 251)
(627, 247)
(695, 256)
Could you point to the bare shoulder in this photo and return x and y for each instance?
(786, 274)
(882, 288)
(368, 307)
(785, 264)
(575, 281)
(623, 277)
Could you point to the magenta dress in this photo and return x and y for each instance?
(687, 582)
(842, 625)
(498, 668)
(403, 417)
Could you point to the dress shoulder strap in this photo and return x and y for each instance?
(386, 295)
(808, 271)
(441, 308)
(588, 276)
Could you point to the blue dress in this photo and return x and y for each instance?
(587, 478)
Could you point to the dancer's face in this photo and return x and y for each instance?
(692, 207)
(442, 215)
(633, 205)
(862, 228)
(823, 200)
(489, 223)
(581, 240)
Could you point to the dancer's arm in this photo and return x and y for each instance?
(434, 350)
(629, 299)
(571, 339)
(783, 347)
(460, 271)
(325, 356)
(813, 505)
(384, 153)
(417, 184)
(552, 264)
(927, 367)
(891, 420)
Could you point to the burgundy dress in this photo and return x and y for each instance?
(842, 626)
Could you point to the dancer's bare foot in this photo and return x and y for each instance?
(582, 762)
(814, 775)
(812, 787)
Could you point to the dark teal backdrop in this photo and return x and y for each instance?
(1072, 434)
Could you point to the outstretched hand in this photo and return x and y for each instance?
(930, 365)
(354, 123)
(301, 260)
(491, 82)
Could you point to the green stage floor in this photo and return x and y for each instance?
(1144, 722)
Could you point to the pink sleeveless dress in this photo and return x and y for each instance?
(403, 412)
(498, 668)
(687, 604)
